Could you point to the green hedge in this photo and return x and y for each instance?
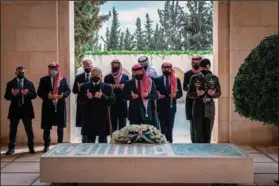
(255, 91)
(165, 53)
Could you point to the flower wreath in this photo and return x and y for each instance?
(138, 134)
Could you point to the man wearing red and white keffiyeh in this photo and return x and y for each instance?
(139, 91)
(169, 90)
(119, 110)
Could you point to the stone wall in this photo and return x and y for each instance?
(32, 35)
(238, 28)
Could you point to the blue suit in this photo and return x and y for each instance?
(166, 113)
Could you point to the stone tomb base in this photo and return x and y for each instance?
(146, 163)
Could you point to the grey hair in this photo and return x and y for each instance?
(97, 70)
(88, 61)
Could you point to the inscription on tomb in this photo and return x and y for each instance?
(137, 150)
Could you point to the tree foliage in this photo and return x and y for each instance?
(198, 24)
(255, 89)
(186, 27)
(140, 44)
(87, 25)
(148, 33)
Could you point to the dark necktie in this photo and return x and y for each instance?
(167, 82)
(139, 88)
(20, 88)
(87, 78)
(53, 83)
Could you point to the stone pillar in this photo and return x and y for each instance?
(33, 33)
(221, 34)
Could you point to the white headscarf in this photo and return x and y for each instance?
(151, 72)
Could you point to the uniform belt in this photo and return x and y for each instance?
(205, 100)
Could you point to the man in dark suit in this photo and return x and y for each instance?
(53, 90)
(169, 90)
(140, 91)
(151, 72)
(204, 87)
(119, 109)
(189, 102)
(20, 91)
(81, 98)
(99, 97)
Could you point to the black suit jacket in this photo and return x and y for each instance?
(120, 107)
(136, 113)
(26, 110)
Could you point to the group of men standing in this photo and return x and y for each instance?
(152, 99)
(102, 102)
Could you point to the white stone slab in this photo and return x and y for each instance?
(146, 163)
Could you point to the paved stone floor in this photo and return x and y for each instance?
(23, 168)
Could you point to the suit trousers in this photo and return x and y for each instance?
(47, 139)
(28, 129)
(92, 139)
(167, 125)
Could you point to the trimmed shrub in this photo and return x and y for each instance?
(255, 89)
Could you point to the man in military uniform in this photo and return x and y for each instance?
(189, 102)
(203, 88)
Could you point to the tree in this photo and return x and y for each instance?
(170, 19)
(87, 24)
(256, 83)
(106, 40)
(114, 31)
(121, 42)
(198, 25)
(128, 41)
(158, 38)
(139, 36)
(149, 43)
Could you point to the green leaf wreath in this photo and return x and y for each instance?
(138, 134)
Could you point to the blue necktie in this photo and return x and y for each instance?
(167, 83)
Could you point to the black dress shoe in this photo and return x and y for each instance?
(32, 151)
(10, 152)
(46, 149)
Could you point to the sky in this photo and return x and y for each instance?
(129, 11)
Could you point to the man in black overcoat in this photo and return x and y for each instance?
(81, 98)
(99, 97)
(119, 109)
(53, 90)
(140, 91)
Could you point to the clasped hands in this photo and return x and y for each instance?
(97, 95)
(135, 96)
(16, 91)
(120, 86)
(161, 96)
(55, 96)
(211, 92)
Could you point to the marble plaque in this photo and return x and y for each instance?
(150, 150)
